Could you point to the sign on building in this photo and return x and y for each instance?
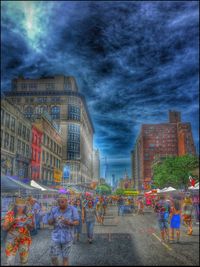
(66, 171)
(57, 174)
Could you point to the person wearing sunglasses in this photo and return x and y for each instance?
(63, 218)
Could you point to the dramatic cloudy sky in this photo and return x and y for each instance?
(132, 60)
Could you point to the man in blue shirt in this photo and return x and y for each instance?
(64, 218)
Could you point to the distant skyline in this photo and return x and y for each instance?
(133, 61)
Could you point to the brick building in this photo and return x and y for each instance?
(158, 141)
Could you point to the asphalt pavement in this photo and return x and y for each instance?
(129, 240)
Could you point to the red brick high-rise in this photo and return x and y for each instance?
(158, 141)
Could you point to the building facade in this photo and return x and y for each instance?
(96, 165)
(16, 138)
(157, 141)
(59, 97)
(51, 151)
(36, 153)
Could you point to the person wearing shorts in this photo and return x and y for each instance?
(175, 220)
(162, 208)
(64, 218)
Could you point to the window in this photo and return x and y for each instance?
(55, 112)
(12, 143)
(28, 134)
(28, 112)
(2, 116)
(38, 156)
(23, 148)
(50, 86)
(47, 140)
(51, 144)
(6, 140)
(42, 99)
(73, 112)
(43, 156)
(47, 158)
(23, 86)
(35, 139)
(7, 120)
(51, 160)
(13, 124)
(18, 146)
(24, 132)
(27, 151)
(1, 137)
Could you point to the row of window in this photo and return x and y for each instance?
(7, 141)
(36, 139)
(46, 99)
(24, 132)
(74, 112)
(47, 174)
(23, 148)
(73, 156)
(35, 155)
(7, 120)
(55, 111)
(73, 128)
(50, 159)
(47, 141)
(28, 86)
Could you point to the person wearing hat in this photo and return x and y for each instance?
(64, 217)
(17, 223)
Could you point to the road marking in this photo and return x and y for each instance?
(165, 245)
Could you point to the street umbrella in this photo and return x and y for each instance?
(62, 191)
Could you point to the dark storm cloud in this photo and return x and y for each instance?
(133, 61)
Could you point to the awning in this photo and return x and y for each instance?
(11, 185)
(34, 184)
(42, 187)
(167, 189)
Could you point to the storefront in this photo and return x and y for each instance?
(22, 167)
(7, 164)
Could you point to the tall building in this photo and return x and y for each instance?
(96, 165)
(16, 138)
(59, 96)
(158, 141)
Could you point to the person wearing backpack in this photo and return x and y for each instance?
(162, 209)
(64, 217)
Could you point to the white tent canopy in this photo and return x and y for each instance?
(34, 184)
(196, 187)
(166, 189)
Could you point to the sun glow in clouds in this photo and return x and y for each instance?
(30, 17)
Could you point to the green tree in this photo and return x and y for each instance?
(103, 189)
(119, 191)
(174, 171)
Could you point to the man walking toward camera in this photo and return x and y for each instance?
(63, 218)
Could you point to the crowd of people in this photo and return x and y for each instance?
(25, 216)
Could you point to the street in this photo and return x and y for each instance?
(122, 240)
